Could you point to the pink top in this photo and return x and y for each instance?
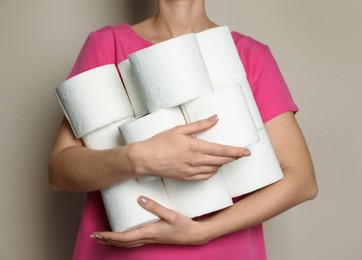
(111, 45)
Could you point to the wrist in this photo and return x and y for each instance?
(136, 158)
(204, 232)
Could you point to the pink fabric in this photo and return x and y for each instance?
(111, 45)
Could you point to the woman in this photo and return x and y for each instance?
(233, 233)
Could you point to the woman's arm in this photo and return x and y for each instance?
(173, 154)
(298, 186)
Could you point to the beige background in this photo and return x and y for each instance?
(318, 47)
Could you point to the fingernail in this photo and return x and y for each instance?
(213, 118)
(247, 153)
(143, 200)
(96, 236)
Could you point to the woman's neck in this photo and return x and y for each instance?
(178, 17)
(175, 18)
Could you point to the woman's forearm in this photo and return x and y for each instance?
(299, 183)
(73, 167)
(82, 169)
(261, 205)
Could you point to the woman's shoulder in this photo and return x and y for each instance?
(247, 44)
(100, 48)
(110, 31)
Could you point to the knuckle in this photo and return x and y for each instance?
(193, 162)
(188, 174)
(223, 149)
(199, 124)
(215, 169)
(173, 217)
(192, 147)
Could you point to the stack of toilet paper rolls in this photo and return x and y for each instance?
(175, 82)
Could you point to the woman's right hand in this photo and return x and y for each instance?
(176, 154)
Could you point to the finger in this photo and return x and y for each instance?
(123, 244)
(203, 169)
(128, 245)
(212, 160)
(197, 126)
(201, 177)
(133, 245)
(220, 149)
(126, 237)
(157, 209)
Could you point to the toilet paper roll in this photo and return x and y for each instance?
(107, 137)
(235, 127)
(147, 126)
(94, 99)
(197, 198)
(130, 83)
(120, 200)
(249, 96)
(171, 73)
(220, 55)
(253, 172)
(251, 102)
(224, 65)
(121, 204)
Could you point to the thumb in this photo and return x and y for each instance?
(155, 208)
(198, 126)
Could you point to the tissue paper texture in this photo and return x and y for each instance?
(130, 83)
(220, 55)
(171, 73)
(147, 126)
(224, 65)
(120, 200)
(197, 198)
(107, 137)
(251, 103)
(94, 99)
(235, 127)
(254, 172)
(121, 205)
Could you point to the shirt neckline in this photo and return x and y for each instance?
(143, 39)
(138, 36)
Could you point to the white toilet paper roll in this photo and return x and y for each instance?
(254, 172)
(235, 127)
(251, 102)
(121, 205)
(224, 65)
(147, 126)
(120, 200)
(249, 96)
(130, 83)
(197, 198)
(107, 137)
(171, 73)
(94, 99)
(220, 55)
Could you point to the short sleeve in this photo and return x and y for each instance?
(98, 50)
(269, 87)
(270, 90)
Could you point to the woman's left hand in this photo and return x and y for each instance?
(173, 228)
